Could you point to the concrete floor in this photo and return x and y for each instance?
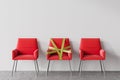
(59, 75)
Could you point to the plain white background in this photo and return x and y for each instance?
(75, 19)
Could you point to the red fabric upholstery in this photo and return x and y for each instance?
(27, 49)
(58, 42)
(90, 49)
(25, 57)
(55, 57)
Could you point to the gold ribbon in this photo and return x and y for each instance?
(59, 51)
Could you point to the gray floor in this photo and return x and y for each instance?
(62, 75)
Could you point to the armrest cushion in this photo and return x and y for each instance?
(70, 55)
(47, 53)
(15, 52)
(36, 53)
(81, 54)
(102, 53)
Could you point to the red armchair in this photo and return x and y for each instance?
(27, 49)
(59, 49)
(90, 49)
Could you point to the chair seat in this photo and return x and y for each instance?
(56, 57)
(92, 57)
(25, 57)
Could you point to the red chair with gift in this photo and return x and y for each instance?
(91, 49)
(59, 49)
(27, 49)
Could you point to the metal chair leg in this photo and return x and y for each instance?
(70, 66)
(13, 67)
(48, 67)
(80, 67)
(101, 66)
(16, 65)
(35, 67)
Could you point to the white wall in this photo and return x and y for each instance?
(44, 19)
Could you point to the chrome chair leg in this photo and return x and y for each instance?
(13, 67)
(80, 66)
(35, 67)
(16, 65)
(70, 66)
(101, 66)
(48, 67)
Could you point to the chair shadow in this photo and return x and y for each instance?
(112, 60)
(75, 56)
(42, 57)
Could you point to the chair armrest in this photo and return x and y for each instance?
(47, 54)
(81, 54)
(70, 55)
(102, 53)
(15, 52)
(35, 53)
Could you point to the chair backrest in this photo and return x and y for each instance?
(27, 45)
(58, 42)
(90, 45)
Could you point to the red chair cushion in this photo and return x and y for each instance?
(25, 57)
(92, 57)
(56, 57)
